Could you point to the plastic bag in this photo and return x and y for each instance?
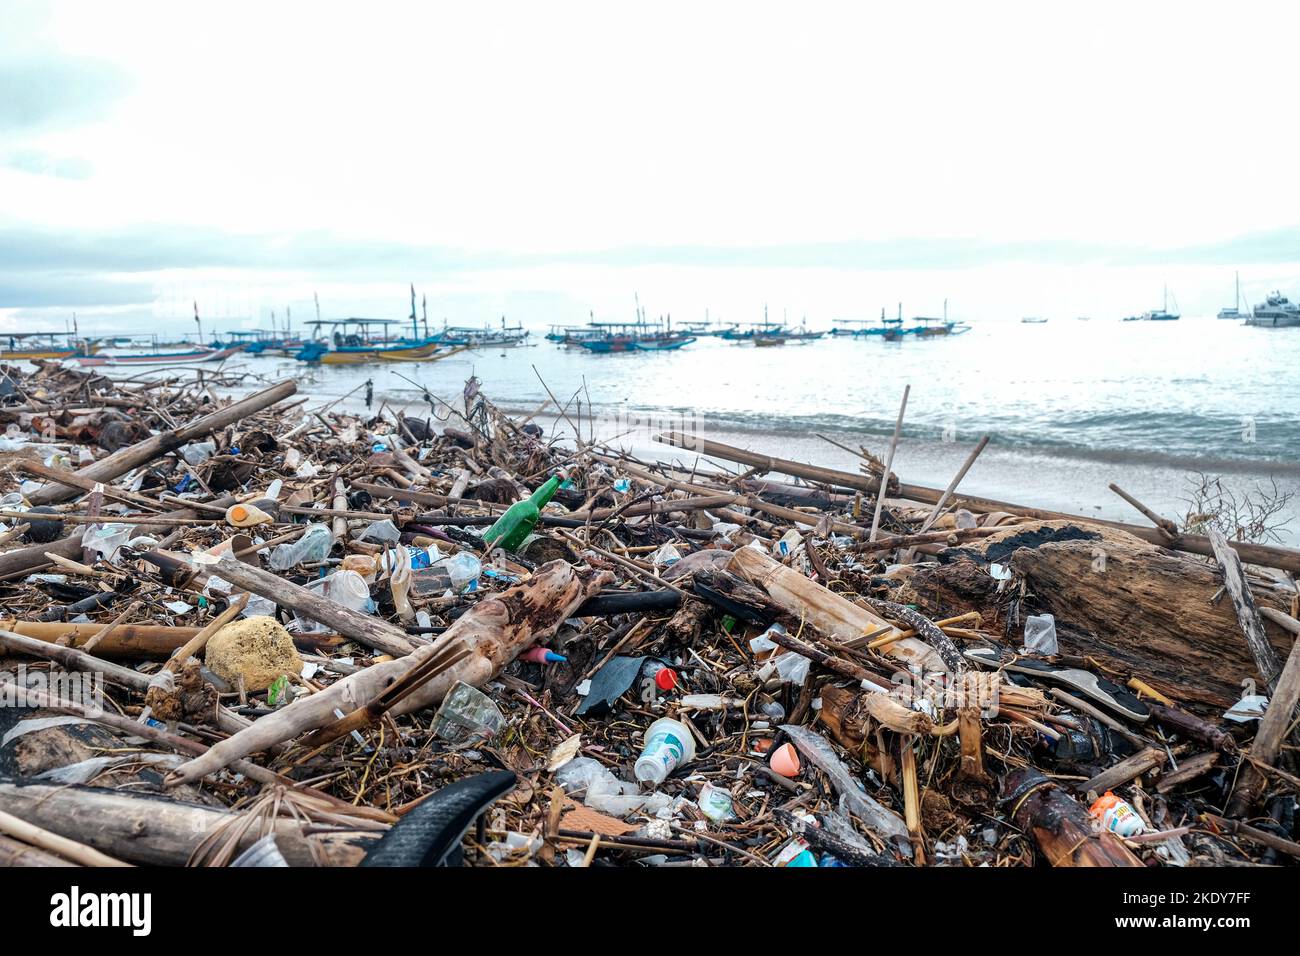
(1040, 635)
(313, 547)
(467, 715)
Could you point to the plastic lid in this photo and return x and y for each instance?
(666, 679)
(238, 512)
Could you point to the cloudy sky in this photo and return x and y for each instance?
(548, 160)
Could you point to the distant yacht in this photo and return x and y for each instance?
(1157, 315)
(1277, 312)
(1033, 320)
(1235, 312)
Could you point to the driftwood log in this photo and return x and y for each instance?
(164, 832)
(836, 617)
(496, 630)
(137, 642)
(1134, 607)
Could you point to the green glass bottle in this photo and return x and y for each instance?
(518, 521)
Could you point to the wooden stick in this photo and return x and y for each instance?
(1243, 602)
(1128, 769)
(15, 853)
(912, 797)
(1254, 834)
(1273, 727)
(952, 485)
(889, 465)
(200, 640)
(1168, 527)
(368, 630)
(108, 628)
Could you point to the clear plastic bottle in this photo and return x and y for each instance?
(313, 547)
(464, 570)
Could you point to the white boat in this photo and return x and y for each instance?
(196, 356)
(1157, 315)
(1234, 312)
(1277, 312)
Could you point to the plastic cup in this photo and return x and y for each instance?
(668, 745)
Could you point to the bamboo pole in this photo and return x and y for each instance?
(1267, 555)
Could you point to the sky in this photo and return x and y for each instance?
(552, 161)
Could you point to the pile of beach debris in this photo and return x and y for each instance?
(264, 631)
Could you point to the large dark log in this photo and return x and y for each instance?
(1135, 608)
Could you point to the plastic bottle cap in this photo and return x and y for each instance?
(238, 513)
(666, 679)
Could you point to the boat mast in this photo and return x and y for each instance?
(415, 328)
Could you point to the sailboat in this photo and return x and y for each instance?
(1235, 312)
(1157, 315)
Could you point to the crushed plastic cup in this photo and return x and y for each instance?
(666, 555)
(789, 543)
(668, 745)
(467, 715)
(196, 453)
(715, 803)
(342, 587)
(464, 570)
(382, 532)
(105, 540)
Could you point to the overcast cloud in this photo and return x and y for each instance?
(555, 159)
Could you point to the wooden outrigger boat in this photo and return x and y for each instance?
(400, 355)
(486, 337)
(128, 359)
(353, 343)
(19, 346)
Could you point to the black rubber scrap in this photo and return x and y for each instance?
(430, 834)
